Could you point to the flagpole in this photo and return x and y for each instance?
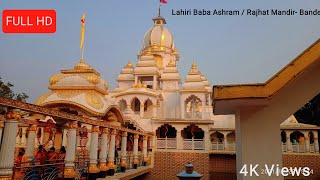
(82, 50)
(159, 9)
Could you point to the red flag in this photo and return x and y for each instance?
(164, 1)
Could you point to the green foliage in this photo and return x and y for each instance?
(7, 92)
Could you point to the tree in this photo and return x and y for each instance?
(310, 112)
(7, 92)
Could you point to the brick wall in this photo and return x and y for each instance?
(222, 166)
(169, 164)
(311, 161)
(219, 166)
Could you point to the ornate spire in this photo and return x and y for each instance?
(82, 65)
(194, 65)
(129, 65)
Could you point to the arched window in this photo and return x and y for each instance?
(135, 105)
(122, 105)
(166, 130)
(297, 137)
(148, 109)
(217, 137)
(193, 107)
(311, 137)
(192, 131)
(283, 137)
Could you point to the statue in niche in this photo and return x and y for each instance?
(195, 109)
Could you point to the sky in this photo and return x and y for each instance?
(227, 49)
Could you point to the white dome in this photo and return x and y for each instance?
(158, 35)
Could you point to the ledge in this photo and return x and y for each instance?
(129, 174)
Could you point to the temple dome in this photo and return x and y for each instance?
(81, 86)
(158, 35)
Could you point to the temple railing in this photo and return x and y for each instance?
(35, 170)
(193, 144)
(166, 143)
(14, 118)
(218, 146)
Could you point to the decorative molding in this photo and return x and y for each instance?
(74, 104)
(94, 100)
(83, 88)
(66, 94)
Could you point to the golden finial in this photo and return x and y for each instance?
(293, 121)
(194, 65)
(82, 65)
(139, 85)
(129, 65)
(171, 63)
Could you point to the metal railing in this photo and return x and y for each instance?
(52, 169)
(34, 170)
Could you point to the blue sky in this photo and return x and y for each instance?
(227, 49)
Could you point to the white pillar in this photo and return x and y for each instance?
(64, 137)
(154, 111)
(31, 141)
(306, 141)
(124, 149)
(8, 145)
(103, 150)
(111, 164)
(94, 150)
(135, 80)
(154, 86)
(182, 108)
(316, 142)
(69, 171)
(203, 109)
(135, 149)
(24, 138)
(145, 148)
(141, 110)
(256, 145)
(179, 139)
(207, 142)
(288, 141)
(152, 147)
(225, 141)
(1, 129)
